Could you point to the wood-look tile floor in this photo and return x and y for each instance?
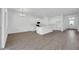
(67, 40)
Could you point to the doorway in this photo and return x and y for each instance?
(71, 22)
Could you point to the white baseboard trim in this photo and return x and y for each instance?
(20, 31)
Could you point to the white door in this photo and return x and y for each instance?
(4, 26)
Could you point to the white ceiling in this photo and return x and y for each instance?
(48, 11)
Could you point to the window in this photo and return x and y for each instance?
(71, 22)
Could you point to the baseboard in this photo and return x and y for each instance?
(19, 32)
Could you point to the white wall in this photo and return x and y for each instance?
(78, 22)
(20, 24)
(0, 27)
(57, 22)
(28, 23)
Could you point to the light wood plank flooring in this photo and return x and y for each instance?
(67, 40)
